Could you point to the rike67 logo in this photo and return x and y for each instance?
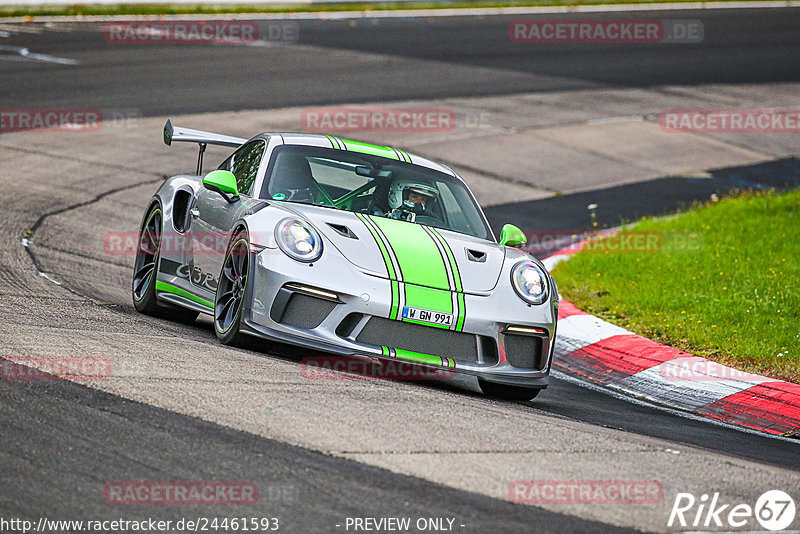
(774, 510)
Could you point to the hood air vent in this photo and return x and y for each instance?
(343, 230)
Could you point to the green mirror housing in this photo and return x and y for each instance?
(224, 183)
(511, 236)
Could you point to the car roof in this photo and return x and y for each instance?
(330, 141)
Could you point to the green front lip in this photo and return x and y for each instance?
(418, 357)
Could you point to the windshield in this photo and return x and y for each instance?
(373, 185)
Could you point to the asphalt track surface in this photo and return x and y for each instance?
(61, 441)
(740, 46)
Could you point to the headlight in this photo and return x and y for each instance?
(530, 282)
(298, 240)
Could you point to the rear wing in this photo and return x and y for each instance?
(203, 139)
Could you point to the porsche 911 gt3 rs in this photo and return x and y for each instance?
(348, 248)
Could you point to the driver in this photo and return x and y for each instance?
(292, 179)
(409, 198)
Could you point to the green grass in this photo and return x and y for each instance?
(725, 285)
(276, 7)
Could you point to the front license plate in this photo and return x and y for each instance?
(428, 316)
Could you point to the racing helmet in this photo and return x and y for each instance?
(401, 187)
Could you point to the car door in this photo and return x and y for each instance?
(214, 216)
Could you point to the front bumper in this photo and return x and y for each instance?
(336, 307)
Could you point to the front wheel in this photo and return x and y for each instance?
(504, 392)
(231, 291)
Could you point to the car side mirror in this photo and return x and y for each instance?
(511, 236)
(224, 183)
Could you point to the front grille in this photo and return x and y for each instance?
(418, 338)
(307, 312)
(523, 352)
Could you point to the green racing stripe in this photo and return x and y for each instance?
(459, 288)
(428, 299)
(450, 258)
(422, 270)
(372, 150)
(381, 245)
(389, 262)
(416, 253)
(366, 148)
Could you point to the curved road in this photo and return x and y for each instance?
(180, 407)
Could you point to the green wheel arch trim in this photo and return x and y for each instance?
(175, 290)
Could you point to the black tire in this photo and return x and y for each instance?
(504, 392)
(145, 267)
(232, 291)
